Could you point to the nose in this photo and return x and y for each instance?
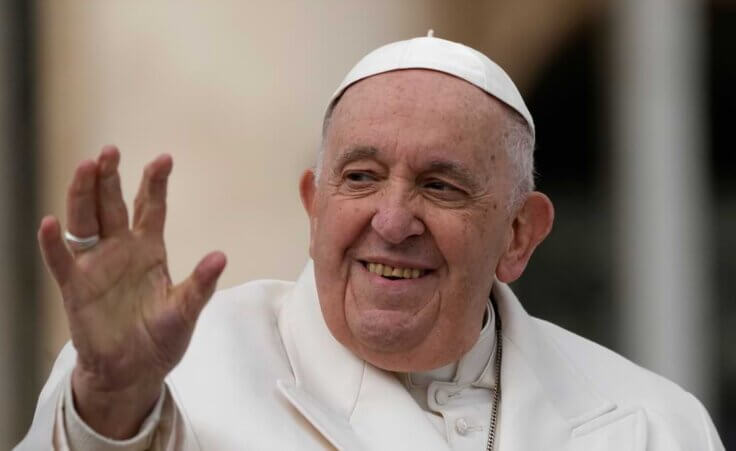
(395, 220)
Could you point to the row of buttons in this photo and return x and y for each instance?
(462, 426)
(454, 404)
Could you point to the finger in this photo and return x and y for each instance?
(112, 213)
(150, 203)
(192, 294)
(81, 202)
(57, 257)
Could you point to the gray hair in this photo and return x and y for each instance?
(517, 140)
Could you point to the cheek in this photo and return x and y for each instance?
(471, 244)
(340, 225)
(459, 237)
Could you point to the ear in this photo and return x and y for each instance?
(307, 192)
(531, 226)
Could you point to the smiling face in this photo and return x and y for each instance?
(409, 218)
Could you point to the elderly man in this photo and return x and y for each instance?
(420, 206)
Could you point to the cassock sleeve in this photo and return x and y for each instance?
(71, 432)
(56, 424)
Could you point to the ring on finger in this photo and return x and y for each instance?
(81, 243)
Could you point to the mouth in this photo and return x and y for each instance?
(394, 272)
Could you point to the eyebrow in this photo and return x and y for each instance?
(449, 168)
(355, 154)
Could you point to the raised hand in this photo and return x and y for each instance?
(129, 324)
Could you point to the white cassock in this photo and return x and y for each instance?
(263, 372)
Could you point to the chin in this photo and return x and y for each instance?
(387, 331)
(387, 342)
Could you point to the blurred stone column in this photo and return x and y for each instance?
(6, 323)
(18, 327)
(660, 189)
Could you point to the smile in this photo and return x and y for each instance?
(394, 272)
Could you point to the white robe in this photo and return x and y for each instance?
(263, 372)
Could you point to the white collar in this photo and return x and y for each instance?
(346, 399)
(469, 368)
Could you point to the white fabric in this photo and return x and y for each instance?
(263, 372)
(471, 368)
(458, 403)
(443, 56)
(78, 435)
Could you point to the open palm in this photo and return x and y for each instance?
(129, 324)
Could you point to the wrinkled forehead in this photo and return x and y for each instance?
(420, 113)
(421, 99)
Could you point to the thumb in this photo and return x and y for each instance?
(193, 293)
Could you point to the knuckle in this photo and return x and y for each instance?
(192, 305)
(139, 201)
(109, 183)
(157, 208)
(157, 188)
(148, 172)
(116, 212)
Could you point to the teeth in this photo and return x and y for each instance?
(390, 271)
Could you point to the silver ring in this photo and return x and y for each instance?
(81, 244)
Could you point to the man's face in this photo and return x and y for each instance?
(414, 185)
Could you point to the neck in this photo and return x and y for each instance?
(470, 368)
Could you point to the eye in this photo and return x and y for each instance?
(359, 177)
(438, 185)
(362, 181)
(443, 191)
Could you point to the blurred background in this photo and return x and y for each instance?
(633, 101)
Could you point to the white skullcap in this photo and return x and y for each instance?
(443, 56)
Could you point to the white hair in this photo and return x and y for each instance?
(517, 141)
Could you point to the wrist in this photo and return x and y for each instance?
(116, 413)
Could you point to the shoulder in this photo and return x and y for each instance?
(611, 373)
(245, 315)
(246, 311)
(258, 299)
(670, 409)
(235, 353)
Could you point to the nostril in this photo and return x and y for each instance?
(396, 224)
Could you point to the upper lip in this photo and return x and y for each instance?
(396, 263)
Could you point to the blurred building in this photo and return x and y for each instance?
(633, 101)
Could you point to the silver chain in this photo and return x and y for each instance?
(497, 389)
